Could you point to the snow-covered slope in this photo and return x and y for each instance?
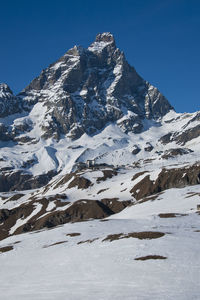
(36, 160)
(141, 253)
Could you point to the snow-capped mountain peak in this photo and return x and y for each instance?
(9, 104)
(86, 89)
(92, 101)
(102, 41)
(5, 91)
(106, 37)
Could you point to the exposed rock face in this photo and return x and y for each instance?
(80, 210)
(188, 135)
(168, 178)
(80, 182)
(125, 132)
(175, 151)
(135, 150)
(88, 88)
(148, 147)
(19, 180)
(9, 104)
(188, 131)
(167, 138)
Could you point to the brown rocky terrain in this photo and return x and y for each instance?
(168, 178)
(81, 210)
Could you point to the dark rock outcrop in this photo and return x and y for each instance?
(148, 147)
(165, 139)
(9, 104)
(187, 135)
(80, 183)
(81, 210)
(175, 152)
(135, 150)
(168, 178)
(19, 180)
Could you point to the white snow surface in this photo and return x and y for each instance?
(37, 269)
(103, 269)
(111, 146)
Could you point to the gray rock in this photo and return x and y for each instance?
(135, 150)
(9, 104)
(92, 87)
(170, 153)
(148, 147)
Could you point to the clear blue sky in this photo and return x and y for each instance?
(160, 38)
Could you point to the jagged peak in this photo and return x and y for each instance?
(75, 51)
(87, 88)
(102, 40)
(105, 37)
(5, 88)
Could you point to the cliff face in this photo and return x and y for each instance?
(9, 104)
(86, 89)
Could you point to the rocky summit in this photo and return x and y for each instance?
(86, 89)
(90, 140)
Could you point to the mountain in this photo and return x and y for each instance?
(83, 92)
(86, 89)
(90, 140)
